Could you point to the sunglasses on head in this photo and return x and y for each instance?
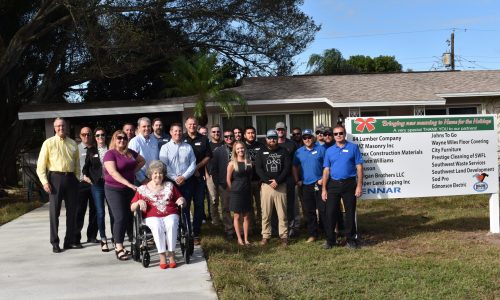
(100, 135)
(121, 137)
(338, 133)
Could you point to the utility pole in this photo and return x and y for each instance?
(452, 41)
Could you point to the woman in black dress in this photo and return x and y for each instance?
(239, 174)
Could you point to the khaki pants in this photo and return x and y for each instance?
(226, 214)
(271, 198)
(213, 193)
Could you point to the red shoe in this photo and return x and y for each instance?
(163, 266)
(172, 265)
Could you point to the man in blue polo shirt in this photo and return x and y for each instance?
(342, 178)
(307, 172)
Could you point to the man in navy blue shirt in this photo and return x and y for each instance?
(308, 172)
(342, 178)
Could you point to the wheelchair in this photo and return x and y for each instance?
(140, 246)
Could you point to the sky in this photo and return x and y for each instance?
(414, 31)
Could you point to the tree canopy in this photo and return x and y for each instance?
(103, 49)
(332, 62)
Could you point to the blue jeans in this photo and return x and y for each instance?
(98, 195)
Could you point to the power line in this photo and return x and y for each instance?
(389, 33)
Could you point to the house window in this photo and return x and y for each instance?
(302, 121)
(454, 110)
(237, 121)
(263, 123)
(373, 113)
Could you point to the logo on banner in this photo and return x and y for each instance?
(480, 185)
(365, 124)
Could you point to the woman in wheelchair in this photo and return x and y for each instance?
(158, 201)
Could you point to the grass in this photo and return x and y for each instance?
(15, 205)
(427, 248)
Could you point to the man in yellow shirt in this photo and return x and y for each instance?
(58, 168)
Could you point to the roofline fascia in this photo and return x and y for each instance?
(333, 104)
(99, 111)
(473, 94)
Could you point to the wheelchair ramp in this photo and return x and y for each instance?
(29, 269)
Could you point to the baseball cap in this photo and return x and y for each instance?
(271, 133)
(320, 128)
(307, 132)
(280, 125)
(328, 129)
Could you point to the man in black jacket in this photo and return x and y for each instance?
(220, 160)
(272, 164)
(254, 146)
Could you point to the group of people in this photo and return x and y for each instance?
(261, 184)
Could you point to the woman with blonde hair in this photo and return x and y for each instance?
(239, 174)
(120, 166)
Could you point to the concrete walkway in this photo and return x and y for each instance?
(29, 269)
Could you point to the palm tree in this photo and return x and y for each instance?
(206, 80)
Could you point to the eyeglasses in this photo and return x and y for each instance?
(215, 131)
(338, 133)
(319, 132)
(229, 136)
(296, 134)
(307, 137)
(280, 129)
(85, 134)
(327, 134)
(99, 135)
(121, 137)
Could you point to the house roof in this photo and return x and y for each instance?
(382, 89)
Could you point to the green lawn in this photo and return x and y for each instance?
(428, 248)
(16, 205)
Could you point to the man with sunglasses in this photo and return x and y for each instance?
(220, 161)
(213, 195)
(308, 173)
(342, 179)
(319, 134)
(273, 167)
(297, 136)
(85, 195)
(328, 137)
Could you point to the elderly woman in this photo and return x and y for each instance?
(120, 166)
(158, 201)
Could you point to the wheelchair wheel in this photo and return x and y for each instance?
(146, 259)
(135, 246)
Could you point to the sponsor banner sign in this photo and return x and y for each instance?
(426, 156)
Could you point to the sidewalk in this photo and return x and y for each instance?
(29, 269)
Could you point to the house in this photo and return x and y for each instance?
(306, 101)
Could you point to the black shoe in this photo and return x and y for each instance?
(352, 244)
(73, 246)
(56, 249)
(93, 241)
(292, 233)
(327, 246)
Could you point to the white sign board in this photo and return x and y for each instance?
(407, 157)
